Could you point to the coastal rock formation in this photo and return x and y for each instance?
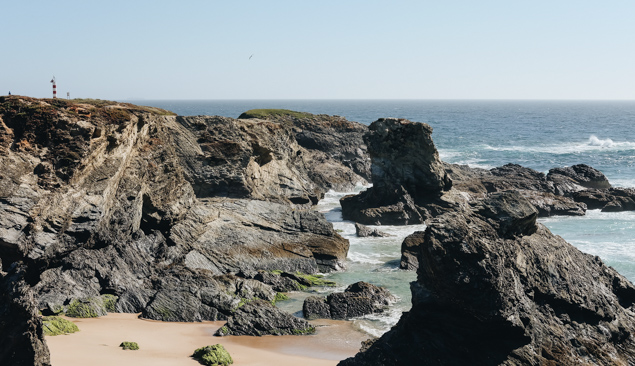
(564, 191)
(496, 288)
(22, 336)
(258, 317)
(103, 198)
(364, 231)
(408, 177)
(328, 138)
(360, 298)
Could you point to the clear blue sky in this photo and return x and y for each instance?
(319, 49)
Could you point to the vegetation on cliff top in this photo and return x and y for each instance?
(272, 113)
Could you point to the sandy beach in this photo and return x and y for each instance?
(165, 343)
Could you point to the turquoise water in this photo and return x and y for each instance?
(536, 134)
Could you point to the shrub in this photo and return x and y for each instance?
(215, 355)
(54, 325)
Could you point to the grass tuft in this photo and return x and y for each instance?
(273, 114)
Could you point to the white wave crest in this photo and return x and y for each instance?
(595, 141)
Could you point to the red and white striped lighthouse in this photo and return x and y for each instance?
(54, 87)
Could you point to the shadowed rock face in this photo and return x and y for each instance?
(496, 288)
(21, 339)
(407, 175)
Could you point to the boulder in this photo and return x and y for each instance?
(576, 178)
(496, 288)
(364, 231)
(359, 299)
(258, 317)
(410, 251)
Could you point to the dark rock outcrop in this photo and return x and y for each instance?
(533, 185)
(364, 231)
(21, 339)
(576, 178)
(258, 317)
(410, 251)
(496, 288)
(408, 177)
(359, 299)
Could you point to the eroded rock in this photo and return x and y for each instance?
(508, 292)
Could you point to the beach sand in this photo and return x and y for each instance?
(166, 343)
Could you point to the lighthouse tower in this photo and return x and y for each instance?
(54, 88)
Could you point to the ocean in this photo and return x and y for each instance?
(537, 134)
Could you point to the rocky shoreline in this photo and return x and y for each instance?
(107, 206)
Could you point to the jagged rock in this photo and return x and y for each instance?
(193, 296)
(22, 336)
(496, 288)
(258, 317)
(364, 231)
(333, 137)
(576, 178)
(543, 193)
(406, 174)
(358, 299)
(410, 251)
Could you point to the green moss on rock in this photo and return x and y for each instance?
(317, 280)
(109, 302)
(54, 325)
(129, 345)
(215, 355)
(81, 309)
(272, 114)
(279, 297)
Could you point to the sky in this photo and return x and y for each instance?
(325, 49)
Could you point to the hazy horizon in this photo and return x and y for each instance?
(354, 50)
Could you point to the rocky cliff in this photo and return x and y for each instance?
(496, 288)
(109, 198)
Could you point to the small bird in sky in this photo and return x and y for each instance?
(252, 55)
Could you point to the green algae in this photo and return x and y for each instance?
(215, 355)
(54, 325)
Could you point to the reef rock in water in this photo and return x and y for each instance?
(496, 288)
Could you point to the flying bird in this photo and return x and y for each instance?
(252, 55)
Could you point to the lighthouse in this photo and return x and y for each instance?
(54, 88)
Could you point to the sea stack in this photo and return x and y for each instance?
(407, 174)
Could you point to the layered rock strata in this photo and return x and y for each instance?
(103, 198)
(496, 288)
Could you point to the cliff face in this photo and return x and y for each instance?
(108, 198)
(496, 288)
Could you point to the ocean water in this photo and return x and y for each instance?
(536, 134)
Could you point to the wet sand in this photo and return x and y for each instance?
(166, 343)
